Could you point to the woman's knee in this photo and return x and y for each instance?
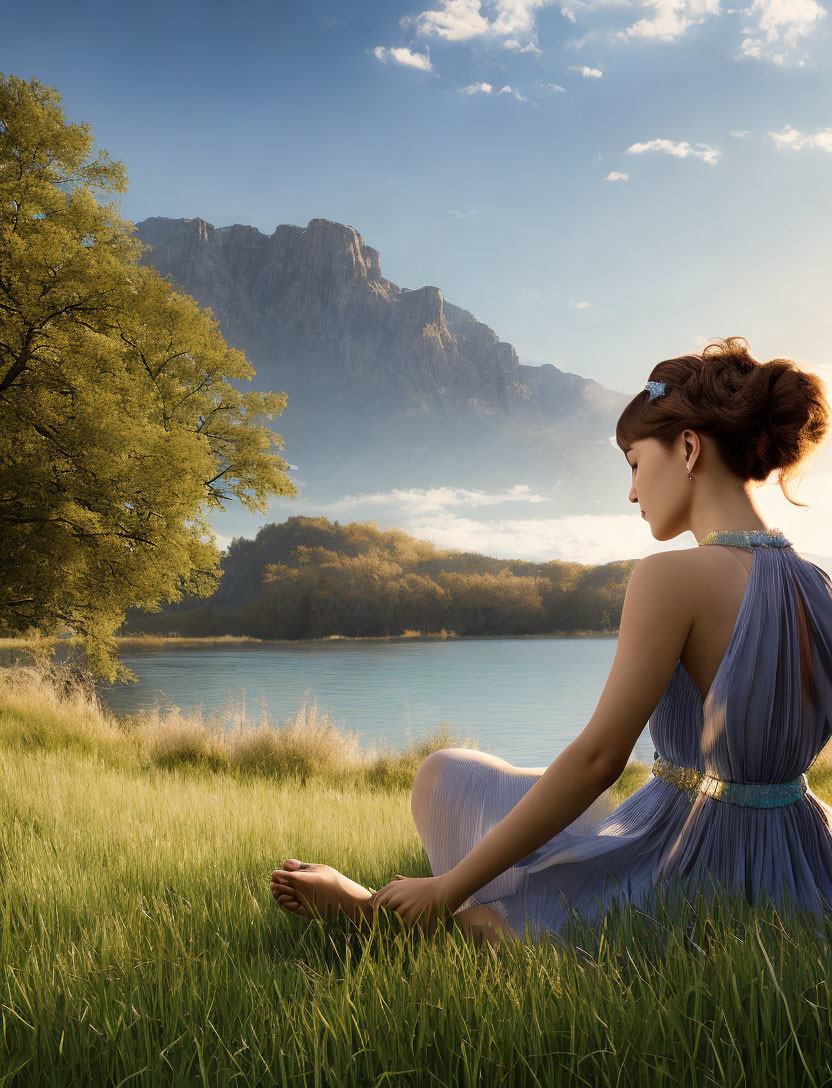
(432, 766)
(424, 783)
(428, 771)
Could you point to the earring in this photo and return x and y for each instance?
(687, 466)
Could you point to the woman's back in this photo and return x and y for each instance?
(728, 805)
(767, 707)
(718, 578)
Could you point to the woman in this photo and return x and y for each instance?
(726, 648)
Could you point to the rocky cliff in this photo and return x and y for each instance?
(397, 385)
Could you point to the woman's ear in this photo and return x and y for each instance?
(691, 446)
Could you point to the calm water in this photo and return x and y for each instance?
(522, 699)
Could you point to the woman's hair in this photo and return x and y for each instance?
(761, 416)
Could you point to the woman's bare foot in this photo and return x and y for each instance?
(299, 887)
(303, 888)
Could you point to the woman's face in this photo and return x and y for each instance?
(656, 484)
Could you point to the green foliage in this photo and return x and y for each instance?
(311, 578)
(120, 429)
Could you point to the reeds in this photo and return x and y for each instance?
(54, 708)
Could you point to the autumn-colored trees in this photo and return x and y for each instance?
(357, 580)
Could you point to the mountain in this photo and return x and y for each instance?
(388, 387)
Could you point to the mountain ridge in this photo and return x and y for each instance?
(381, 365)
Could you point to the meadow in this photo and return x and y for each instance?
(139, 943)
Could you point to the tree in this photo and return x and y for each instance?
(120, 429)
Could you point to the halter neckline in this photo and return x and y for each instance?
(747, 538)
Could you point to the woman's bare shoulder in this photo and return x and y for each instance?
(691, 562)
(671, 564)
(685, 573)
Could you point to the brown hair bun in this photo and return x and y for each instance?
(762, 417)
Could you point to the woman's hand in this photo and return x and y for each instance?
(423, 899)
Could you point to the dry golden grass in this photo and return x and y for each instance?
(48, 708)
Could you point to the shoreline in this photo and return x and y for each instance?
(139, 641)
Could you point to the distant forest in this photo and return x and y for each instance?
(311, 578)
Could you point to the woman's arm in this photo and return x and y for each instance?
(655, 621)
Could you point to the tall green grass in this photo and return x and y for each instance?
(139, 944)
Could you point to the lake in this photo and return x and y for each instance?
(523, 699)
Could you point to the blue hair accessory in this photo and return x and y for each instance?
(655, 389)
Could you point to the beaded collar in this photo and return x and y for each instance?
(747, 538)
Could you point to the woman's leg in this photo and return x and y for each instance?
(431, 767)
(330, 891)
(481, 921)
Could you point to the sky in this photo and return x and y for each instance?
(606, 183)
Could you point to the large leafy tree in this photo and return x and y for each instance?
(120, 428)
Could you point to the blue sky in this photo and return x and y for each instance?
(656, 174)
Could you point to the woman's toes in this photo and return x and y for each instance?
(287, 900)
(288, 872)
(279, 887)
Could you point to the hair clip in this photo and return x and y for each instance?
(655, 389)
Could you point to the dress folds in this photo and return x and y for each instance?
(766, 717)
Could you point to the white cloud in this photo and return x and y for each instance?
(581, 538)
(669, 19)
(781, 26)
(680, 149)
(461, 20)
(455, 21)
(798, 141)
(741, 133)
(448, 517)
(463, 215)
(476, 88)
(615, 175)
(513, 92)
(407, 57)
(579, 305)
(550, 86)
(417, 500)
(775, 31)
(516, 47)
(586, 71)
(579, 43)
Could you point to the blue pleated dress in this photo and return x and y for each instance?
(767, 715)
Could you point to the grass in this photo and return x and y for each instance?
(139, 944)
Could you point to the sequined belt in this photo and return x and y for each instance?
(750, 794)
